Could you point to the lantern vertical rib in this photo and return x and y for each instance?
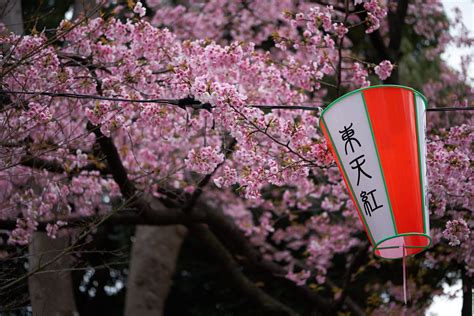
(418, 139)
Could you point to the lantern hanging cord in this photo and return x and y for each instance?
(195, 104)
(404, 263)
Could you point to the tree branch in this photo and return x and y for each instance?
(127, 188)
(395, 22)
(160, 216)
(391, 52)
(358, 260)
(52, 166)
(375, 38)
(227, 229)
(188, 207)
(129, 191)
(182, 103)
(339, 51)
(234, 239)
(220, 253)
(466, 293)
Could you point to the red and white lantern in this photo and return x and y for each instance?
(377, 136)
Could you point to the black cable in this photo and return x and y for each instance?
(195, 104)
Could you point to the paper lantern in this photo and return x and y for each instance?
(377, 137)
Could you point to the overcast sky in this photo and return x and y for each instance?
(453, 54)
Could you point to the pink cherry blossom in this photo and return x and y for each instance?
(384, 69)
(204, 160)
(278, 184)
(456, 231)
(139, 9)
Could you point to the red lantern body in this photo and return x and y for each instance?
(377, 136)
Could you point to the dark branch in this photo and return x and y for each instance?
(182, 103)
(466, 293)
(339, 49)
(220, 253)
(391, 52)
(52, 166)
(188, 207)
(149, 212)
(375, 37)
(114, 162)
(158, 217)
(359, 259)
(395, 21)
(147, 205)
(233, 238)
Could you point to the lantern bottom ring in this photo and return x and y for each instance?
(402, 245)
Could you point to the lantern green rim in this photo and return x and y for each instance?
(408, 247)
(374, 87)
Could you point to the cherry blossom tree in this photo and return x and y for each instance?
(205, 115)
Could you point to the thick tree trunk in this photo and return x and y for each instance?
(154, 254)
(82, 7)
(467, 301)
(51, 293)
(11, 15)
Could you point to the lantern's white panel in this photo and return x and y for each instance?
(350, 114)
(421, 115)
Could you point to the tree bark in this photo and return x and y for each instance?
(233, 271)
(51, 293)
(11, 15)
(81, 7)
(154, 254)
(466, 294)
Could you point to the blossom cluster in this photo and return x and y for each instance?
(278, 183)
(456, 231)
(376, 11)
